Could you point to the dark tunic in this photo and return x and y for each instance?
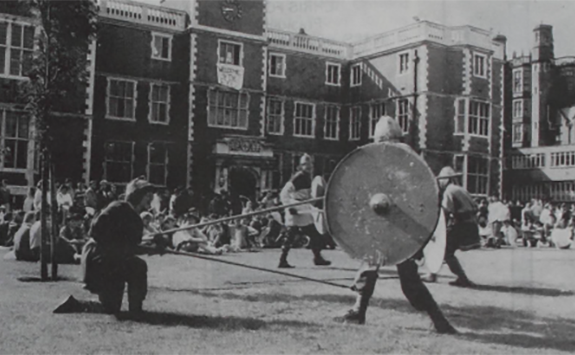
(115, 235)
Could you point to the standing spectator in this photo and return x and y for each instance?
(103, 195)
(29, 201)
(38, 197)
(4, 195)
(65, 199)
(269, 200)
(516, 209)
(91, 198)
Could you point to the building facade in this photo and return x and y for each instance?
(212, 97)
(541, 159)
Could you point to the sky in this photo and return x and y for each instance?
(353, 20)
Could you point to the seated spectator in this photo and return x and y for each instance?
(36, 233)
(242, 236)
(193, 240)
(22, 249)
(4, 227)
(509, 234)
(74, 235)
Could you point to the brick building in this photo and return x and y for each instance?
(541, 159)
(213, 97)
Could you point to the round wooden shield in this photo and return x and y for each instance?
(382, 201)
(434, 251)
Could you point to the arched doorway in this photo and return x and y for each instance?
(242, 182)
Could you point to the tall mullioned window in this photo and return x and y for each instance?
(477, 175)
(121, 99)
(331, 122)
(16, 48)
(478, 122)
(15, 138)
(228, 109)
(159, 103)
(356, 75)
(355, 123)
(333, 74)
(118, 161)
(158, 159)
(403, 114)
(375, 113)
(275, 116)
(304, 120)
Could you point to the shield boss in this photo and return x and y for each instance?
(382, 202)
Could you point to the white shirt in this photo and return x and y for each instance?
(35, 235)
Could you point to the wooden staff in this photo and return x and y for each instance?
(150, 236)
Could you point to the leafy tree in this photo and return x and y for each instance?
(58, 77)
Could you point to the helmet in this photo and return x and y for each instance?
(387, 129)
(447, 172)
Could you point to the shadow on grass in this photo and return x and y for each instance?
(513, 328)
(486, 324)
(201, 321)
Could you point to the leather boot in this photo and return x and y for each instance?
(283, 260)
(457, 269)
(318, 259)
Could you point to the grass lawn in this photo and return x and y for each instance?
(524, 305)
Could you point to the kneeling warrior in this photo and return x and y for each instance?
(387, 130)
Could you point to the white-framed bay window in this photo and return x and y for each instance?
(275, 116)
(518, 109)
(333, 74)
(159, 108)
(331, 128)
(277, 65)
(355, 75)
(479, 65)
(119, 161)
(121, 98)
(16, 48)
(517, 133)
(158, 162)
(304, 120)
(228, 109)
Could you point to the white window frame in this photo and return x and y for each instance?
(403, 69)
(151, 104)
(135, 99)
(354, 120)
(479, 119)
(352, 76)
(404, 117)
(238, 109)
(165, 165)
(520, 104)
(159, 56)
(374, 117)
(241, 56)
(282, 75)
(336, 66)
(132, 160)
(295, 118)
(483, 73)
(337, 122)
(4, 137)
(281, 116)
(8, 49)
(517, 71)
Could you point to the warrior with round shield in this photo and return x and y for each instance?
(462, 229)
(300, 219)
(388, 130)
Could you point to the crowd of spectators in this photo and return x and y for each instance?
(77, 205)
(531, 224)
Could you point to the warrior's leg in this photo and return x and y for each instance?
(453, 263)
(316, 244)
(286, 246)
(111, 296)
(364, 285)
(136, 276)
(419, 296)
